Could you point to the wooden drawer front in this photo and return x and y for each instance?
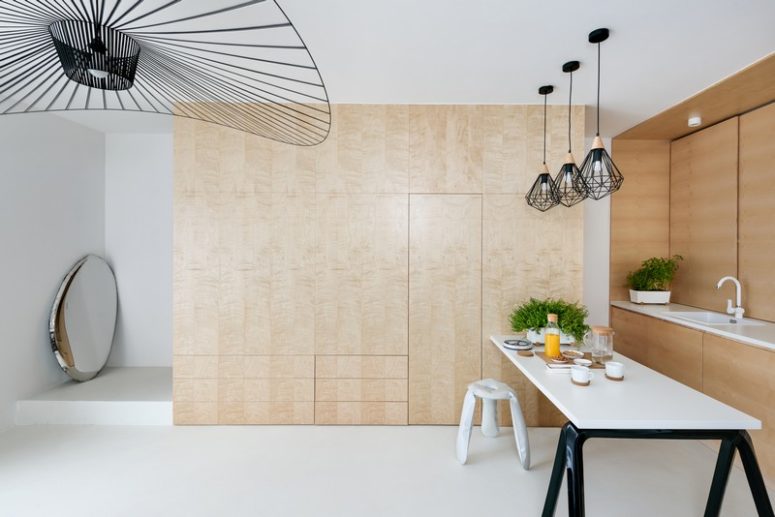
(675, 351)
(362, 367)
(355, 390)
(741, 376)
(354, 413)
(631, 337)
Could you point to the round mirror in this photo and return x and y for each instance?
(83, 318)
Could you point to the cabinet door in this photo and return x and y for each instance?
(741, 376)
(675, 351)
(631, 334)
(703, 213)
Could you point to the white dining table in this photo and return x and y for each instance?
(644, 405)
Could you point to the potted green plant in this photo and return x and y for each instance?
(531, 317)
(651, 283)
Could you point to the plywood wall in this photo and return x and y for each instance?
(358, 282)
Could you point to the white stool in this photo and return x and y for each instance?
(491, 391)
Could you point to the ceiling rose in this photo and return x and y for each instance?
(242, 65)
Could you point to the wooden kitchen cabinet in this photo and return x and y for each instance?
(630, 338)
(741, 375)
(675, 351)
(670, 349)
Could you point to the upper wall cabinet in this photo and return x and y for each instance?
(703, 213)
(757, 211)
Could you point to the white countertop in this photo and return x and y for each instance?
(762, 336)
(645, 399)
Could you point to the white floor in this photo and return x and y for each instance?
(118, 396)
(336, 471)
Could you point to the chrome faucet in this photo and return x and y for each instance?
(737, 311)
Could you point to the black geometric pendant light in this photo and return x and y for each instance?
(600, 175)
(568, 181)
(239, 64)
(543, 195)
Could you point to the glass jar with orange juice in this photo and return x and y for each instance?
(552, 337)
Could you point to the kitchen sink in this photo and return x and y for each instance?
(713, 319)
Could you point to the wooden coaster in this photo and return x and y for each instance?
(580, 383)
(617, 379)
(526, 353)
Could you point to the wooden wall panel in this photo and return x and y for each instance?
(725, 364)
(361, 274)
(757, 212)
(445, 268)
(522, 258)
(703, 214)
(631, 334)
(675, 351)
(640, 211)
(289, 260)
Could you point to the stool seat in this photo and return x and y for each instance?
(490, 392)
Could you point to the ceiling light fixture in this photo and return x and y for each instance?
(544, 195)
(600, 175)
(568, 181)
(695, 121)
(241, 64)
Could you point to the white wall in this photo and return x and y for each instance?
(138, 245)
(51, 214)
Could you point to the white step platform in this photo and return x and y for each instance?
(118, 396)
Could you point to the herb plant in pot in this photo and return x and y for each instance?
(531, 317)
(651, 283)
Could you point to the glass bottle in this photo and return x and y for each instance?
(603, 344)
(552, 337)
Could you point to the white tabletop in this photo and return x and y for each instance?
(645, 399)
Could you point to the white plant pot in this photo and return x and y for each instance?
(537, 336)
(650, 297)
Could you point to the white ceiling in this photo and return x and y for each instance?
(500, 51)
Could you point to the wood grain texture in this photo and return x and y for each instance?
(675, 351)
(703, 214)
(631, 338)
(283, 252)
(640, 211)
(361, 413)
(357, 390)
(747, 89)
(361, 274)
(445, 269)
(361, 367)
(366, 152)
(520, 260)
(757, 212)
(725, 363)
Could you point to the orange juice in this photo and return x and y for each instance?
(552, 345)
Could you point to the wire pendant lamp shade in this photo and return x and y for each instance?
(570, 186)
(239, 64)
(600, 175)
(543, 195)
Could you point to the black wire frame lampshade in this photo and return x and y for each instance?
(600, 175)
(236, 63)
(570, 186)
(543, 195)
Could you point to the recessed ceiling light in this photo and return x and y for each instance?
(695, 121)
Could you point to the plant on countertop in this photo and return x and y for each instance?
(655, 274)
(532, 315)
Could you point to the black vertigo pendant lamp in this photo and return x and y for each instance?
(544, 195)
(600, 175)
(568, 181)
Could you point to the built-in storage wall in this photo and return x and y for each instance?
(358, 282)
(711, 204)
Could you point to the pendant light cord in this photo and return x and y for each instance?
(598, 89)
(570, 114)
(545, 129)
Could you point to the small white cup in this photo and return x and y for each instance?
(580, 375)
(614, 370)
